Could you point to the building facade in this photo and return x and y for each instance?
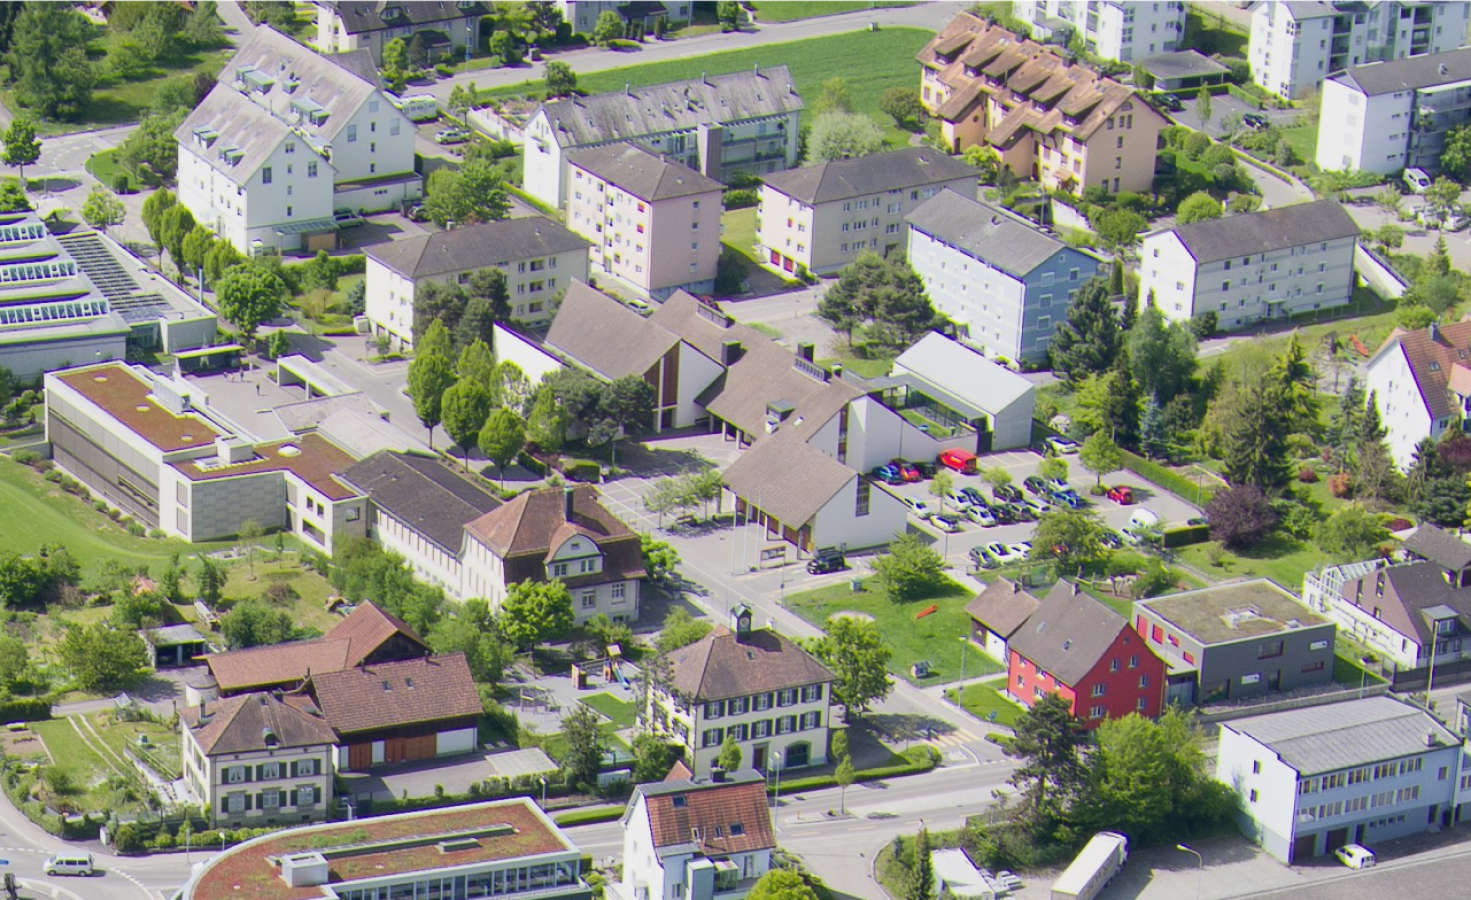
(1004, 283)
(446, 26)
(819, 218)
(640, 211)
(1272, 264)
(959, 389)
(1114, 29)
(1383, 117)
(1363, 771)
(1421, 385)
(1296, 46)
(582, 15)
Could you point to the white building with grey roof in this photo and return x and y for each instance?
(1364, 771)
(1271, 264)
(717, 125)
(1004, 283)
(285, 138)
(538, 256)
(819, 218)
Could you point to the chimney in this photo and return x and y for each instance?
(1444, 68)
(1430, 739)
(567, 502)
(806, 350)
(1077, 589)
(837, 370)
(730, 351)
(1435, 331)
(717, 774)
(1016, 587)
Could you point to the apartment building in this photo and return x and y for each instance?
(446, 26)
(1048, 119)
(1363, 771)
(582, 15)
(538, 257)
(1121, 30)
(640, 210)
(1271, 264)
(1004, 283)
(1421, 384)
(718, 125)
(255, 760)
(1295, 46)
(819, 218)
(1386, 116)
(755, 686)
(285, 138)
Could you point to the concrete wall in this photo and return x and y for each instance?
(1266, 788)
(188, 334)
(29, 360)
(1377, 274)
(220, 506)
(533, 362)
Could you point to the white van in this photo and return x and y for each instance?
(1140, 523)
(70, 864)
(1416, 180)
(1356, 856)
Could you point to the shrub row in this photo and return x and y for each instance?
(25, 709)
(588, 816)
(917, 760)
(1173, 482)
(1186, 535)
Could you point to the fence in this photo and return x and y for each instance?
(1378, 274)
(1215, 714)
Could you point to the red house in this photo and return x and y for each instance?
(1090, 655)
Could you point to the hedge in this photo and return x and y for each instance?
(917, 760)
(531, 464)
(25, 709)
(1186, 535)
(583, 471)
(588, 816)
(1246, 96)
(1173, 482)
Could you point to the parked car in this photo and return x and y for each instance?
(974, 497)
(1255, 121)
(1455, 221)
(981, 516)
(1006, 493)
(1002, 553)
(982, 559)
(906, 469)
(1062, 445)
(1007, 513)
(1110, 539)
(347, 218)
(1068, 498)
(1036, 484)
(926, 469)
(416, 213)
(1037, 505)
(1021, 550)
(827, 561)
(948, 524)
(962, 461)
(451, 136)
(1169, 102)
(1417, 181)
(1356, 856)
(1057, 484)
(918, 508)
(888, 475)
(1121, 494)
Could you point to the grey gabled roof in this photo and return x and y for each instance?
(1266, 231)
(1410, 73)
(603, 335)
(475, 247)
(1312, 9)
(247, 132)
(787, 477)
(676, 106)
(985, 232)
(1442, 547)
(422, 494)
(1181, 64)
(360, 16)
(1343, 735)
(863, 176)
(1068, 634)
(646, 175)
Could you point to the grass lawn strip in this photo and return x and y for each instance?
(621, 714)
(114, 759)
(982, 700)
(738, 231)
(120, 737)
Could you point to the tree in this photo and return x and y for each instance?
(629, 402)
(15, 662)
(941, 486)
(1294, 377)
(910, 570)
(883, 292)
(859, 659)
(195, 247)
(1089, 340)
(608, 28)
(174, 225)
(48, 60)
(1203, 106)
(680, 629)
(1443, 194)
(158, 203)
(489, 285)
(1161, 353)
(501, 438)
(1352, 532)
(250, 295)
(781, 884)
(476, 363)
(101, 658)
(921, 884)
(320, 273)
(728, 13)
(560, 80)
(660, 559)
(252, 623)
(546, 425)
(1254, 437)
(473, 631)
(1199, 207)
(395, 64)
(985, 160)
(835, 97)
(1118, 228)
(21, 146)
(1442, 501)
(652, 758)
(209, 582)
(729, 757)
(586, 745)
(203, 27)
(1346, 425)
(13, 196)
(844, 776)
(250, 534)
(536, 612)
(1241, 517)
(1071, 536)
(474, 194)
(151, 152)
(464, 408)
(102, 208)
(1050, 774)
(901, 104)
(221, 258)
(839, 135)
(997, 477)
(1053, 468)
(430, 375)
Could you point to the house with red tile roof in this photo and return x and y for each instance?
(1421, 383)
(696, 838)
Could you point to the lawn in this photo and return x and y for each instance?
(1281, 558)
(97, 782)
(161, 751)
(328, 314)
(105, 167)
(936, 638)
(555, 745)
(793, 10)
(309, 610)
(986, 703)
(738, 231)
(1368, 317)
(620, 713)
(1304, 141)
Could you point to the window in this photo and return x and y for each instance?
(235, 803)
(763, 701)
(270, 771)
(1113, 665)
(352, 133)
(736, 732)
(1142, 704)
(354, 513)
(393, 127)
(559, 570)
(714, 709)
(1134, 662)
(811, 720)
(761, 729)
(786, 724)
(865, 491)
(304, 767)
(786, 697)
(1256, 767)
(738, 706)
(711, 738)
(1253, 795)
(235, 775)
(1099, 689)
(311, 170)
(589, 599)
(1096, 712)
(617, 591)
(306, 795)
(1269, 650)
(265, 175)
(811, 693)
(1144, 681)
(270, 799)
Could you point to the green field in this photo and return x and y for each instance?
(1304, 141)
(936, 637)
(786, 11)
(738, 231)
(982, 700)
(619, 713)
(1280, 557)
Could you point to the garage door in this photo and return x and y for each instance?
(459, 741)
(1302, 848)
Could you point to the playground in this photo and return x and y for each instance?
(609, 685)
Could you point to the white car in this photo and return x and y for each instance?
(918, 508)
(637, 305)
(980, 515)
(1356, 856)
(1038, 506)
(1062, 445)
(1021, 550)
(946, 524)
(1005, 553)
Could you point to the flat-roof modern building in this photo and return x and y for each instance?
(959, 390)
(1237, 641)
(506, 848)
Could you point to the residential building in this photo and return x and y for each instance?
(755, 686)
(582, 15)
(1296, 45)
(285, 138)
(640, 209)
(956, 389)
(1183, 70)
(1271, 264)
(818, 219)
(1237, 642)
(1461, 723)
(151, 446)
(255, 760)
(538, 257)
(79, 297)
(1114, 29)
(1421, 384)
(718, 125)
(1386, 116)
(505, 848)
(1089, 655)
(1364, 771)
(443, 27)
(1048, 119)
(999, 611)
(1004, 283)
(696, 838)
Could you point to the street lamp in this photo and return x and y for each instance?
(776, 797)
(1200, 867)
(543, 779)
(964, 639)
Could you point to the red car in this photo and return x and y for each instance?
(1122, 494)
(907, 469)
(962, 461)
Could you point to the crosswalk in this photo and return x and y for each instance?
(957, 738)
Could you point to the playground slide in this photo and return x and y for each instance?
(618, 672)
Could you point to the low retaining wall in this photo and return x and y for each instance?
(1378, 274)
(1210, 714)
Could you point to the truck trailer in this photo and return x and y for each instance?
(1094, 867)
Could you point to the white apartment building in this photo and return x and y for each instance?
(1386, 116)
(754, 686)
(253, 760)
(285, 138)
(1123, 30)
(820, 218)
(640, 210)
(1265, 265)
(538, 256)
(583, 15)
(1296, 45)
(1421, 383)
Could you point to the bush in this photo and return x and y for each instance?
(741, 199)
(1308, 475)
(1399, 523)
(1186, 535)
(1341, 484)
(583, 471)
(25, 709)
(1180, 486)
(26, 457)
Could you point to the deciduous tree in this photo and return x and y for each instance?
(1241, 517)
(859, 659)
(781, 884)
(395, 67)
(680, 629)
(838, 135)
(586, 745)
(430, 375)
(1161, 354)
(560, 80)
(835, 97)
(1070, 536)
(608, 28)
(901, 104)
(471, 195)
(101, 658)
(1352, 532)
(253, 623)
(1199, 207)
(729, 757)
(501, 438)
(546, 426)
(22, 148)
(464, 408)
(536, 612)
(250, 295)
(910, 570)
(103, 209)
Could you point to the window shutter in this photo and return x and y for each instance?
(316, 793)
(247, 801)
(260, 773)
(294, 768)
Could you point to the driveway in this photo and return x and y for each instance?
(418, 779)
(1418, 240)
(1221, 108)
